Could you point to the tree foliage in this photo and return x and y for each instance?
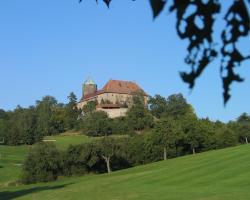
(42, 164)
(242, 127)
(71, 112)
(107, 148)
(167, 133)
(138, 116)
(195, 23)
(175, 106)
(97, 124)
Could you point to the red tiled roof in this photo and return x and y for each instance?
(122, 87)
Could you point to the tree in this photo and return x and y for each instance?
(90, 107)
(2, 126)
(28, 126)
(20, 126)
(193, 139)
(157, 105)
(195, 23)
(107, 147)
(49, 116)
(138, 116)
(44, 114)
(80, 159)
(2, 114)
(97, 124)
(71, 112)
(167, 132)
(42, 164)
(195, 135)
(177, 107)
(120, 126)
(225, 137)
(242, 126)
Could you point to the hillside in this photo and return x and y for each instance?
(215, 175)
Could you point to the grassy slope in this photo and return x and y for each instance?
(10, 163)
(215, 175)
(12, 157)
(63, 141)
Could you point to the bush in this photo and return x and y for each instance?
(97, 124)
(81, 159)
(42, 164)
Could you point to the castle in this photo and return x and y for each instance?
(115, 98)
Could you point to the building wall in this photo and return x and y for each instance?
(114, 98)
(116, 112)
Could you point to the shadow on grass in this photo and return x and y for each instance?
(8, 195)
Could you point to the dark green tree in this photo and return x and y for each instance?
(177, 107)
(71, 112)
(195, 135)
(167, 133)
(157, 105)
(42, 164)
(243, 127)
(97, 124)
(80, 159)
(3, 122)
(48, 122)
(120, 126)
(28, 126)
(225, 137)
(138, 116)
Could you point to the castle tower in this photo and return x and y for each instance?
(89, 87)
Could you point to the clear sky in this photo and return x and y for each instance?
(49, 47)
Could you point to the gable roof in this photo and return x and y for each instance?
(122, 87)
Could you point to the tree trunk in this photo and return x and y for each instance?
(165, 153)
(193, 150)
(246, 140)
(107, 160)
(108, 165)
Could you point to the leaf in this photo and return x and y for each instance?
(107, 2)
(157, 6)
(237, 26)
(81, 1)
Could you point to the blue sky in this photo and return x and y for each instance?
(49, 47)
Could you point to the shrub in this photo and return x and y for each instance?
(42, 164)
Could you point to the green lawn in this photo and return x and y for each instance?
(63, 141)
(214, 175)
(10, 163)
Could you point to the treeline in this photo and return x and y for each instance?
(167, 128)
(30, 125)
(48, 117)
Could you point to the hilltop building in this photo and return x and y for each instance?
(114, 98)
